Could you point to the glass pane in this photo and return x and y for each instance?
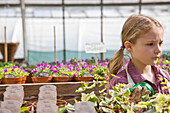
(120, 1)
(9, 1)
(44, 1)
(81, 1)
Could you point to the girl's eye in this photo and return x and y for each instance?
(160, 43)
(150, 44)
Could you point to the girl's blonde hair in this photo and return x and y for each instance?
(134, 26)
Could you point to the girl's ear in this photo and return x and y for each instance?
(128, 46)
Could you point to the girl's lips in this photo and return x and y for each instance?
(157, 57)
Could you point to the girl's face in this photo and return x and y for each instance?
(148, 47)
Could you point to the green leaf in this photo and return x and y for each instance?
(103, 90)
(102, 83)
(23, 109)
(94, 99)
(84, 97)
(119, 99)
(62, 110)
(103, 103)
(114, 76)
(92, 86)
(80, 89)
(70, 107)
(86, 84)
(127, 93)
(107, 110)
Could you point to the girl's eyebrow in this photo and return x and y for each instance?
(154, 40)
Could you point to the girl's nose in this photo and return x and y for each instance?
(158, 49)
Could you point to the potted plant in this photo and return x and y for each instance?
(13, 75)
(83, 72)
(65, 73)
(28, 67)
(43, 73)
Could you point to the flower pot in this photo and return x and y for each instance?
(24, 79)
(83, 79)
(29, 79)
(12, 48)
(12, 80)
(0, 81)
(61, 103)
(62, 79)
(42, 79)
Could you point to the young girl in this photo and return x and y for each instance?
(142, 37)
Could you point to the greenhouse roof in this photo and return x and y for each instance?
(81, 1)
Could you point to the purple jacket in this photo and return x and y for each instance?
(137, 77)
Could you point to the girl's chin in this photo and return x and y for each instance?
(154, 63)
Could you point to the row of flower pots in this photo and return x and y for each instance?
(19, 80)
(60, 79)
(75, 70)
(22, 80)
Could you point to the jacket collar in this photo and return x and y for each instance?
(135, 75)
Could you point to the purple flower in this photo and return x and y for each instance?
(82, 66)
(51, 69)
(161, 64)
(74, 75)
(102, 64)
(167, 64)
(92, 57)
(162, 59)
(42, 68)
(107, 59)
(106, 63)
(13, 69)
(5, 70)
(77, 64)
(27, 64)
(91, 69)
(78, 69)
(14, 66)
(61, 65)
(94, 66)
(70, 68)
(68, 63)
(55, 71)
(90, 66)
(87, 60)
(32, 71)
(38, 65)
(54, 66)
(79, 61)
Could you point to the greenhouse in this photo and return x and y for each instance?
(61, 56)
